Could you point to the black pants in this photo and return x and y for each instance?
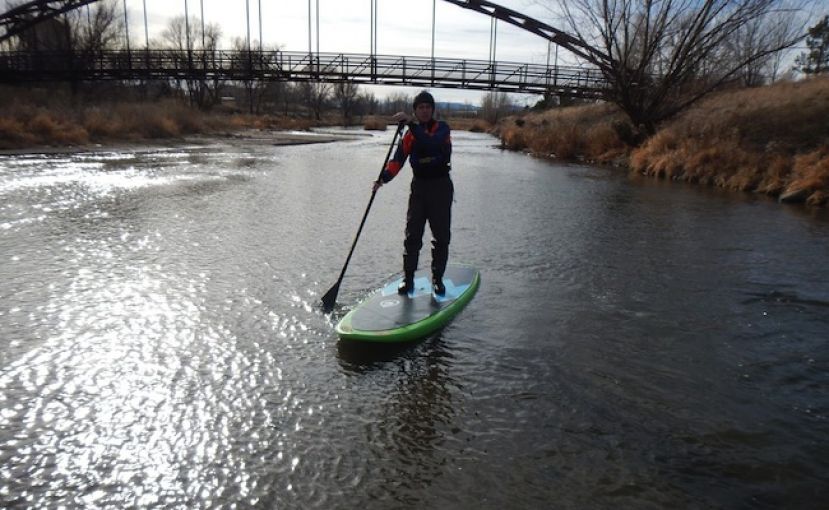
(430, 200)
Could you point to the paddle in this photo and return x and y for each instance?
(330, 297)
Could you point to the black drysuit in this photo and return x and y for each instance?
(428, 147)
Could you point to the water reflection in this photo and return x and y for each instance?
(361, 357)
(418, 411)
(121, 385)
(131, 382)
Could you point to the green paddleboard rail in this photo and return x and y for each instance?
(414, 331)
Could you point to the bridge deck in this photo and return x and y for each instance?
(18, 67)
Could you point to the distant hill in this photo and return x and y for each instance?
(457, 107)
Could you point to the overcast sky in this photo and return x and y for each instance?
(403, 28)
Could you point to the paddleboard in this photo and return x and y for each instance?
(387, 316)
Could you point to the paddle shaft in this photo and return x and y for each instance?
(330, 297)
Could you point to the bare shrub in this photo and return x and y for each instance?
(100, 125)
(13, 134)
(586, 131)
(564, 141)
(475, 125)
(603, 144)
(43, 126)
(514, 138)
(374, 124)
(479, 126)
(187, 120)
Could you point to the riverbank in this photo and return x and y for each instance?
(32, 123)
(239, 137)
(27, 128)
(772, 140)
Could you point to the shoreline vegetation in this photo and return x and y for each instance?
(31, 126)
(772, 140)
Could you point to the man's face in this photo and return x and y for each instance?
(423, 112)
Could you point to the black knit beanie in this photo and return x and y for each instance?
(423, 97)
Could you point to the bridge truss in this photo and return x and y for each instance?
(573, 44)
(18, 20)
(24, 67)
(20, 67)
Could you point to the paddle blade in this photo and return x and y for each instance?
(330, 298)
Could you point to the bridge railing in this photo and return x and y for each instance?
(151, 64)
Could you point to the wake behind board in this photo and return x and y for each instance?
(389, 317)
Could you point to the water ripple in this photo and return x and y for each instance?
(162, 344)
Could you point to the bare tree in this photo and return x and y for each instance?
(243, 62)
(292, 95)
(495, 105)
(661, 56)
(100, 28)
(743, 43)
(178, 35)
(92, 28)
(345, 95)
(197, 54)
(749, 40)
(71, 42)
(211, 84)
(367, 104)
(316, 94)
(397, 102)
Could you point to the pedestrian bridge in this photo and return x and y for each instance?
(20, 67)
(26, 66)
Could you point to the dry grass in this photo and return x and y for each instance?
(100, 125)
(590, 132)
(472, 124)
(54, 117)
(374, 123)
(382, 122)
(789, 116)
(63, 131)
(247, 121)
(810, 177)
(23, 125)
(13, 133)
(772, 140)
(27, 126)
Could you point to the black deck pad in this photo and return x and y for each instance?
(387, 309)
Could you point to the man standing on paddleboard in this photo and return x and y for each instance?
(428, 147)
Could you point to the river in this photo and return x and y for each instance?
(634, 343)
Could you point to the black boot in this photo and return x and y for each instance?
(408, 283)
(437, 286)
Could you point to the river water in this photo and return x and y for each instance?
(634, 343)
